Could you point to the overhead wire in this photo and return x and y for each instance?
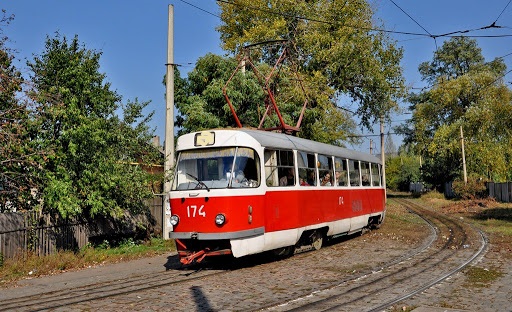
(486, 63)
(317, 20)
(408, 15)
(428, 34)
(457, 33)
(199, 8)
(274, 12)
(502, 11)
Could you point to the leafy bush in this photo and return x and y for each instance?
(473, 189)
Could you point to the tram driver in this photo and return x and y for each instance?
(238, 176)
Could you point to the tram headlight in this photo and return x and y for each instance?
(174, 220)
(220, 219)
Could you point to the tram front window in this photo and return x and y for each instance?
(217, 168)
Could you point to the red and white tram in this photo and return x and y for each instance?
(245, 191)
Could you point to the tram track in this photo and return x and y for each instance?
(399, 280)
(335, 278)
(111, 288)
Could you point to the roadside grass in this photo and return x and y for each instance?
(435, 199)
(478, 277)
(489, 215)
(497, 226)
(400, 224)
(32, 265)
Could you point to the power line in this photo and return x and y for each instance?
(371, 135)
(502, 11)
(491, 83)
(458, 33)
(428, 34)
(199, 8)
(274, 12)
(486, 63)
(411, 18)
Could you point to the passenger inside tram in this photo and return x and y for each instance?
(326, 180)
(341, 177)
(311, 180)
(288, 179)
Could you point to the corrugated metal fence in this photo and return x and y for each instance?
(500, 191)
(32, 232)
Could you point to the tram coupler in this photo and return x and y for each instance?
(196, 256)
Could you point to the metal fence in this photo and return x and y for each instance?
(39, 234)
(500, 191)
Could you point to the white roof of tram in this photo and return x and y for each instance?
(284, 141)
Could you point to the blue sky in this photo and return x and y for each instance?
(132, 35)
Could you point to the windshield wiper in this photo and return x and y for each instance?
(199, 182)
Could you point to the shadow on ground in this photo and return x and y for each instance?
(503, 214)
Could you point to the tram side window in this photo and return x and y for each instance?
(340, 167)
(246, 173)
(279, 168)
(375, 174)
(365, 173)
(353, 169)
(307, 169)
(325, 170)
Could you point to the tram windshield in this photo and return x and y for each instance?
(217, 168)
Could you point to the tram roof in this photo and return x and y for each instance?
(285, 141)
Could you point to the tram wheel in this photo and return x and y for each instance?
(317, 240)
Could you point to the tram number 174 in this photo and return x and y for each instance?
(193, 211)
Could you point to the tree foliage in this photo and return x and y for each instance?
(467, 93)
(17, 168)
(402, 170)
(203, 105)
(89, 166)
(328, 38)
(329, 47)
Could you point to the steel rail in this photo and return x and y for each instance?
(483, 247)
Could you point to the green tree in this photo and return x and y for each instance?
(333, 49)
(469, 93)
(90, 166)
(202, 104)
(17, 167)
(402, 170)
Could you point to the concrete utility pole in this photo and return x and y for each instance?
(169, 122)
(463, 156)
(383, 157)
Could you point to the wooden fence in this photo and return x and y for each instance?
(32, 232)
(36, 233)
